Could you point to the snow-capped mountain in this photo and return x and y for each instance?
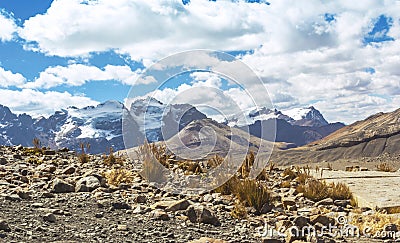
(100, 126)
(296, 116)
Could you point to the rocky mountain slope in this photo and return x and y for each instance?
(375, 138)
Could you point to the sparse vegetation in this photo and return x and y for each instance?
(154, 158)
(111, 159)
(314, 190)
(385, 167)
(252, 193)
(34, 160)
(339, 191)
(83, 157)
(117, 176)
(37, 144)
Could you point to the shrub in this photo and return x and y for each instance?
(153, 157)
(228, 187)
(252, 193)
(83, 157)
(111, 159)
(317, 190)
(339, 191)
(117, 176)
(291, 174)
(314, 190)
(385, 167)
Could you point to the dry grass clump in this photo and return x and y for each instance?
(215, 161)
(314, 190)
(385, 167)
(111, 159)
(154, 158)
(117, 176)
(289, 173)
(83, 157)
(339, 191)
(375, 224)
(317, 190)
(252, 193)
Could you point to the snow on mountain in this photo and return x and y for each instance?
(296, 116)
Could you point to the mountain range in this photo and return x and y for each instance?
(101, 125)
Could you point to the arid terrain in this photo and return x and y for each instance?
(49, 196)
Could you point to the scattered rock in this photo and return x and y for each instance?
(87, 184)
(322, 219)
(3, 161)
(201, 214)
(140, 199)
(122, 227)
(69, 170)
(178, 205)
(208, 240)
(4, 226)
(327, 201)
(159, 214)
(120, 205)
(49, 218)
(61, 186)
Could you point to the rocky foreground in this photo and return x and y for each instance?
(53, 197)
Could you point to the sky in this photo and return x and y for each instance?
(339, 56)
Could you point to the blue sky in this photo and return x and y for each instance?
(337, 56)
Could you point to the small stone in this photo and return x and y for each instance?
(327, 201)
(3, 161)
(24, 195)
(120, 205)
(140, 199)
(87, 184)
(4, 226)
(159, 214)
(13, 198)
(99, 215)
(301, 222)
(322, 219)
(208, 240)
(342, 203)
(69, 171)
(289, 201)
(49, 218)
(49, 152)
(122, 227)
(201, 214)
(178, 205)
(61, 186)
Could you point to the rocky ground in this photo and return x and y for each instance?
(52, 197)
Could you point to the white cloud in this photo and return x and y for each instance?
(79, 74)
(8, 78)
(8, 27)
(41, 103)
(145, 29)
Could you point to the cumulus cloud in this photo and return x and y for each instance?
(79, 74)
(8, 27)
(38, 103)
(144, 29)
(8, 78)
